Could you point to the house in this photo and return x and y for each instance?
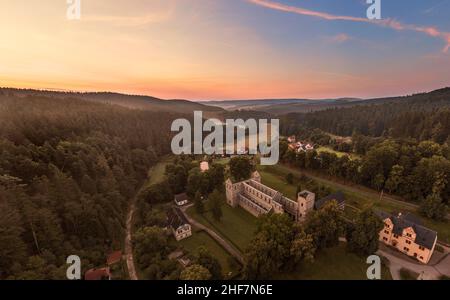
(98, 274)
(178, 223)
(305, 147)
(204, 166)
(259, 199)
(181, 199)
(184, 261)
(406, 233)
(301, 146)
(338, 197)
(114, 258)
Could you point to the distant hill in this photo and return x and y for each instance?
(285, 106)
(129, 101)
(279, 105)
(424, 116)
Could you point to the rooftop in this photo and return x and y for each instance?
(338, 197)
(176, 218)
(114, 257)
(97, 274)
(181, 197)
(424, 237)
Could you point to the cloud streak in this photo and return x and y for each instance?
(389, 23)
(340, 38)
(127, 21)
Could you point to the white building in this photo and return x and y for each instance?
(178, 223)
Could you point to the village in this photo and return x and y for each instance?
(248, 200)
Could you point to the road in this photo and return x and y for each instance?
(427, 272)
(224, 243)
(129, 242)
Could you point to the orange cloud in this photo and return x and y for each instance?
(391, 23)
(340, 38)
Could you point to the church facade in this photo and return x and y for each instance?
(259, 199)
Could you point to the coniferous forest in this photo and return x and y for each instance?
(68, 169)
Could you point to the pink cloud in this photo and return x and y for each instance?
(390, 23)
(340, 38)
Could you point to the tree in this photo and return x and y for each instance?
(12, 247)
(149, 242)
(177, 178)
(195, 272)
(311, 161)
(240, 168)
(433, 208)
(270, 248)
(215, 200)
(326, 225)
(197, 181)
(302, 247)
(363, 235)
(198, 203)
(205, 259)
(290, 178)
(216, 176)
(157, 193)
(378, 182)
(395, 179)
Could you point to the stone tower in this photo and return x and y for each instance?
(256, 176)
(232, 191)
(306, 202)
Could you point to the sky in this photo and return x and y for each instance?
(227, 49)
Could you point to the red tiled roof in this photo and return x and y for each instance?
(114, 257)
(97, 274)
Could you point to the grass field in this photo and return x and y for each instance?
(279, 183)
(222, 161)
(201, 238)
(333, 264)
(338, 153)
(156, 174)
(274, 176)
(237, 225)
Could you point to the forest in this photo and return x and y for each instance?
(422, 117)
(68, 169)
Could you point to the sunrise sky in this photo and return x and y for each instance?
(227, 49)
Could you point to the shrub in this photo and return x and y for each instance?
(406, 274)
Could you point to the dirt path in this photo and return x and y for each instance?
(129, 243)
(225, 244)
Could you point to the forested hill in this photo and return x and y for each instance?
(284, 106)
(422, 116)
(68, 168)
(129, 101)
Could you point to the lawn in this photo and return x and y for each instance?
(338, 153)
(156, 173)
(222, 161)
(237, 225)
(333, 264)
(279, 183)
(201, 238)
